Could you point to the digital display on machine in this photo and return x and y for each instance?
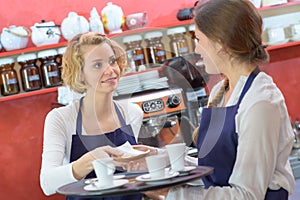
(153, 105)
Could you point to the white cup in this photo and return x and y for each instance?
(156, 165)
(176, 154)
(276, 34)
(295, 30)
(104, 169)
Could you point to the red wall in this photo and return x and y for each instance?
(284, 67)
(21, 124)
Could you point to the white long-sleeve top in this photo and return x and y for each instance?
(60, 125)
(265, 140)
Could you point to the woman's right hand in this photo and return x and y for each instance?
(83, 165)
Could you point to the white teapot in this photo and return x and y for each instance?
(14, 37)
(74, 25)
(95, 21)
(113, 18)
(0, 43)
(45, 33)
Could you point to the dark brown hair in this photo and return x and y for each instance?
(236, 25)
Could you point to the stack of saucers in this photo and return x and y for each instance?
(151, 80)
(128, 85)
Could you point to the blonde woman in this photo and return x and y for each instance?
(77, 134)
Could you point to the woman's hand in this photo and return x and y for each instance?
(83, 165)
(141, 147)
(140, 164)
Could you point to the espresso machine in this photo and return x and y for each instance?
(162, 115)
(188, 73)
(171, 113)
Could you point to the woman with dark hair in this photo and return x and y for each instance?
(245, 132)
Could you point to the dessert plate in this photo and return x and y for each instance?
(95, 187)
(147, 177)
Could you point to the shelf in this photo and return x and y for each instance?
(28, 94)
(64, 43)
(31, 49)
(279, 6)
(281, 9)
(281, 46)
(147, 29)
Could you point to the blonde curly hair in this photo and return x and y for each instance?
(73, 60)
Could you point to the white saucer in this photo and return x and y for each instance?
(116, 177)
(187, 169)
(147, 177)
(95, 187)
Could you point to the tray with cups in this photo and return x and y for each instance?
(157, 164)
(158, 176)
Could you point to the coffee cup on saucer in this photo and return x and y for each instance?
(295, 31)
(176, 154)
(156, 165)
(276, 35)
(104, 169)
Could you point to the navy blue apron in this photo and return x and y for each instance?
(82, 144)
(217, 143)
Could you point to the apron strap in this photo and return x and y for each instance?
(120, 116)
(79, 117)
(248, 83)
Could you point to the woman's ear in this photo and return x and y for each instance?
(218, 47)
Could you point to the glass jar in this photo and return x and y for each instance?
(155, 49)
(30, 74)
(59, 57)
(178, 43)
(49, 68)
(194, 41)
(9, 78)
(134, 51)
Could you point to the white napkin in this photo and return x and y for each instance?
(128, 150)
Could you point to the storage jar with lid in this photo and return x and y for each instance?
(9, 78)
(49, 68)
(194, 40)
(178, 43)
(155, 48)
(30, 74)
(59, 57)
(134, 50)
